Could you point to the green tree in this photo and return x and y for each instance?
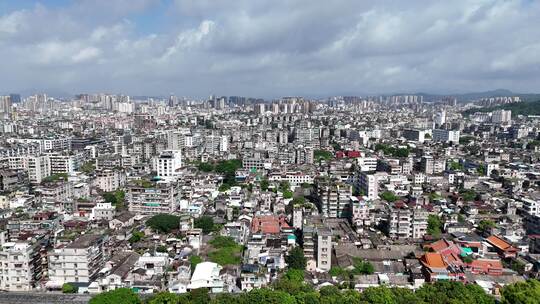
(481, 170)
(116, 198)
(117, 296)
(199, 296)
(264, 295)
(205, 167)
(88, 167)
(456, 166)
(227, 251)
(164, 223)
(453, 292)
(206, 223)
(378, 295)
(319, 155)
(527, 292)
(434, 225)
(287, 194)
(362, 267)
(468, 195)
(486, 225)
(136, 236)
(389, 196)
(265, 184)
(194, 260)
(168, 298)
(331, 294)
(69, 288)
(295, 259)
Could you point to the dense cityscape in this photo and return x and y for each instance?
(236, 196)
(269, 152)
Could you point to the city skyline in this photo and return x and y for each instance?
(268, 49)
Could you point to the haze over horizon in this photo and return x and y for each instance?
(269, 48)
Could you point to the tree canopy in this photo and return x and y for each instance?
(521, 293)
(164, 223)
(206, 223)
(292, 288)
(117, 296)
(435, 225)
(389, 196)
(296, 259)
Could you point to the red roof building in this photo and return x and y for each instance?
(269, 224)
(503, 248)
(486, 266)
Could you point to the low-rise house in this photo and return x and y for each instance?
(207, 275)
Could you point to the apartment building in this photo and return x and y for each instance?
(405, 223)
(78, 261)
(446, 136)
(324, 249)
(168, 164)
(20, 266)
(153, 199)
(109, 180)
(368, 185)
(335, 199)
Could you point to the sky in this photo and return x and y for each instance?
(269, 48)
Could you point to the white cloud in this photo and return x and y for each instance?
(272, 48)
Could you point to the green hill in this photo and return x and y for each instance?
(519, 108)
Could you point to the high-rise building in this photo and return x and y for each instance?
(404, 223)
(501, 116)
(426, 164)
(440, 118)
(15, 98)
(173, 101)
(168, 164)
(5, 105)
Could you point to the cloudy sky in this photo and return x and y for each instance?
(269, 48)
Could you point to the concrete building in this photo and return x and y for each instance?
(20, 266)
(78, 261)
(335, 199)
(61, 163)
(414, 135)
(426, 164)
(446, 136)
(368, 185)
(109, 180)
(39, 167)
(103, 211)
(168, 164)
(324, 249)
(404, 223)
(158, 198)
(501, 116)
(207, 275)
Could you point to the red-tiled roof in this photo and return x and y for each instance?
(486, 264)
(433, 260)
(269, 224)
(499, 243)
